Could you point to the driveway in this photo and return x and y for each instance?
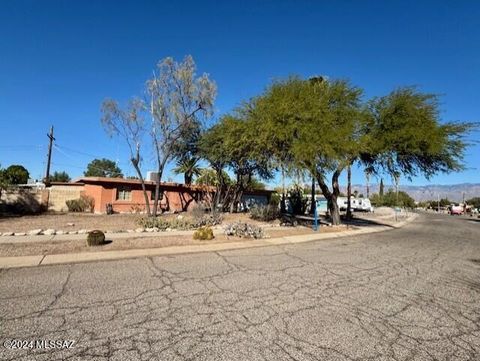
(406, 294)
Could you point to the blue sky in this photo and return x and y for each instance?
(60, 59)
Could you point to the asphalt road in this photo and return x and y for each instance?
(406, 294)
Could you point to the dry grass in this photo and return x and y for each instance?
(60, 221)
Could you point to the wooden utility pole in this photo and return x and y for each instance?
(49, 159)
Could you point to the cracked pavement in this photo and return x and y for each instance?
(406, 294)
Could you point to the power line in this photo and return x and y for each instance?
(63, 148)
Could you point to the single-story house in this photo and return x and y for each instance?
(126, 195)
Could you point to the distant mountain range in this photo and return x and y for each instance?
(454, 192)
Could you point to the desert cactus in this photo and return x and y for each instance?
(203, 233)
(95, 238)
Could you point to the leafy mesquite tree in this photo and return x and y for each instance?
(406, 136)
(103, 168)
(315, 123)
(176, 99)
(233, 143)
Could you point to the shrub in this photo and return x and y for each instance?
(184, 224)
(95, 238)
(198, 210)
(275, 199)
(298, 202)
(163, 223)
(75, 205)
(208, 220)
(82, 204)
(264, 213)
(245, 230)
(203, 233)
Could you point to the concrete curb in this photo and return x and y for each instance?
(41, 260)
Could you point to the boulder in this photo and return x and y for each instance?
(7, 234)
(140, 230)
(19, 234)
(49, 232)
(35, 232)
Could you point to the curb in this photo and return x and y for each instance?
(53, 259)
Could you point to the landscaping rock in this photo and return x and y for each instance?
(35, 232)
(180, 217)
(19, 234)
(156, 229)
(82, 231)
(150, 230)
(168, 229)
(7, 234)
(71, 224)
(140, 230)
(130, 231)
(72, 232)
(59, 233)
(49, 232)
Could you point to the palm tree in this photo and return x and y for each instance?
(189, 168)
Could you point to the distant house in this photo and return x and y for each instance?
(126, 195)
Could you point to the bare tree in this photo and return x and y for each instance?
(130, 125)
(176, 100)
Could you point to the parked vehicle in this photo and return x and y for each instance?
(457, 210)
(356, 204)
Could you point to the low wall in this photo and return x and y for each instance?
(23, 200)
(59, 194)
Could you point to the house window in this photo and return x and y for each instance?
(152, 195)
(124, 194)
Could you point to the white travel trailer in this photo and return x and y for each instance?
(356, 204)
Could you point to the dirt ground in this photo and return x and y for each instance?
(138, 242)
(64, 221)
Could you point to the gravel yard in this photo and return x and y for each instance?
(78, 221)
(14, 247)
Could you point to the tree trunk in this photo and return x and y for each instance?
(283, 204)
(135, 161)
(157, 190)
(349, 192)
(314, 204)
(331, 196)
(367, 178)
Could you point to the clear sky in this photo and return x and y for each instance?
(60, 59)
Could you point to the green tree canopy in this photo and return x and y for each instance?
(390, 199)
(407, 137)
(103, 168)
(60, 177)
(234, 143)
(14, 174)
(475, 202)
(313, 126)
(208, 176)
